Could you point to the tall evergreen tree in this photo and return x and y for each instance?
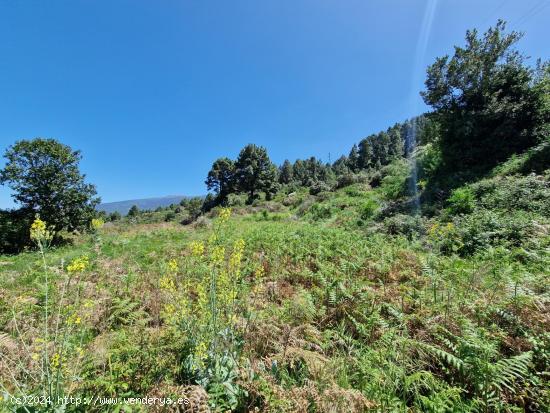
(254, 172)
(134, 211)
(396, 147)
(353, 159)
(366, 153)
(299, 171)
(221, 178)
(340, 166)
(285, 172)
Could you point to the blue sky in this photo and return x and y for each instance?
(153, 92)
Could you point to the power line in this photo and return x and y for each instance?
(532, 12)
(495, 11)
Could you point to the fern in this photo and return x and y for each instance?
(508, 371)
(124, 311)
(479, 368)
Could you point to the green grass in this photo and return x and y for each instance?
(338, 307)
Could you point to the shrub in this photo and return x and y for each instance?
(14, 230)
(461, 201)
(320, 212)
(170, 216)
(408, 225)
(114, 216)
(512, 193)
(319, 187)
(369, 208)
(483, 229)
(350, 179)
(394, 182)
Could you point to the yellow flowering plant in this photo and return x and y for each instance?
(40, 234)
(201, 302)
(96, 224)
(52, 358)
(79, 264)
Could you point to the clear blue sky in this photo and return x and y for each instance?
(153, 92)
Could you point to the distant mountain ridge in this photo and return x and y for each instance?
(146, 203)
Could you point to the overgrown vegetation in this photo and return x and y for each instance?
(350, 287)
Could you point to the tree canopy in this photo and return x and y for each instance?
(221, 178)
(254, 172)
(488, 102)
(45, 178)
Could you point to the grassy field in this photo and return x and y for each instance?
(340, 302)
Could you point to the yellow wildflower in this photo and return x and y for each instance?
(88, 303)
(202, 297)
(225, 214)
(39, 232)
(236, 256)
(218, 255)
(201, 350)
(172, 265)
(167, 283)
(197, 248)
(78, 264)
(260, 271)
(212, 238)
(96, 224)
(74, 319)
(56, 360)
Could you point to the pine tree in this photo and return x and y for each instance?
(285, 172)
(254, 172)
(353, 159)
(221, 178)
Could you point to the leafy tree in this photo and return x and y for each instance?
(14, 230)
(134, 211)
(221, 178)
(46, 180)
(209, 202)
(254, 172)
(488, 102)
(286, 172)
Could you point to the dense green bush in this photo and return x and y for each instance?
(410, 226)
(394, 181)
(320, 211)
(14, 230)
(461, 201)
(369, 208)
(467, 234)
(514, 193)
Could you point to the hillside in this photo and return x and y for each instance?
(331, 302)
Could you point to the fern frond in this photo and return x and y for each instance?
(443, 356)
(507, 371)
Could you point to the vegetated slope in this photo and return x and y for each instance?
(122, 207)
(341, 301)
